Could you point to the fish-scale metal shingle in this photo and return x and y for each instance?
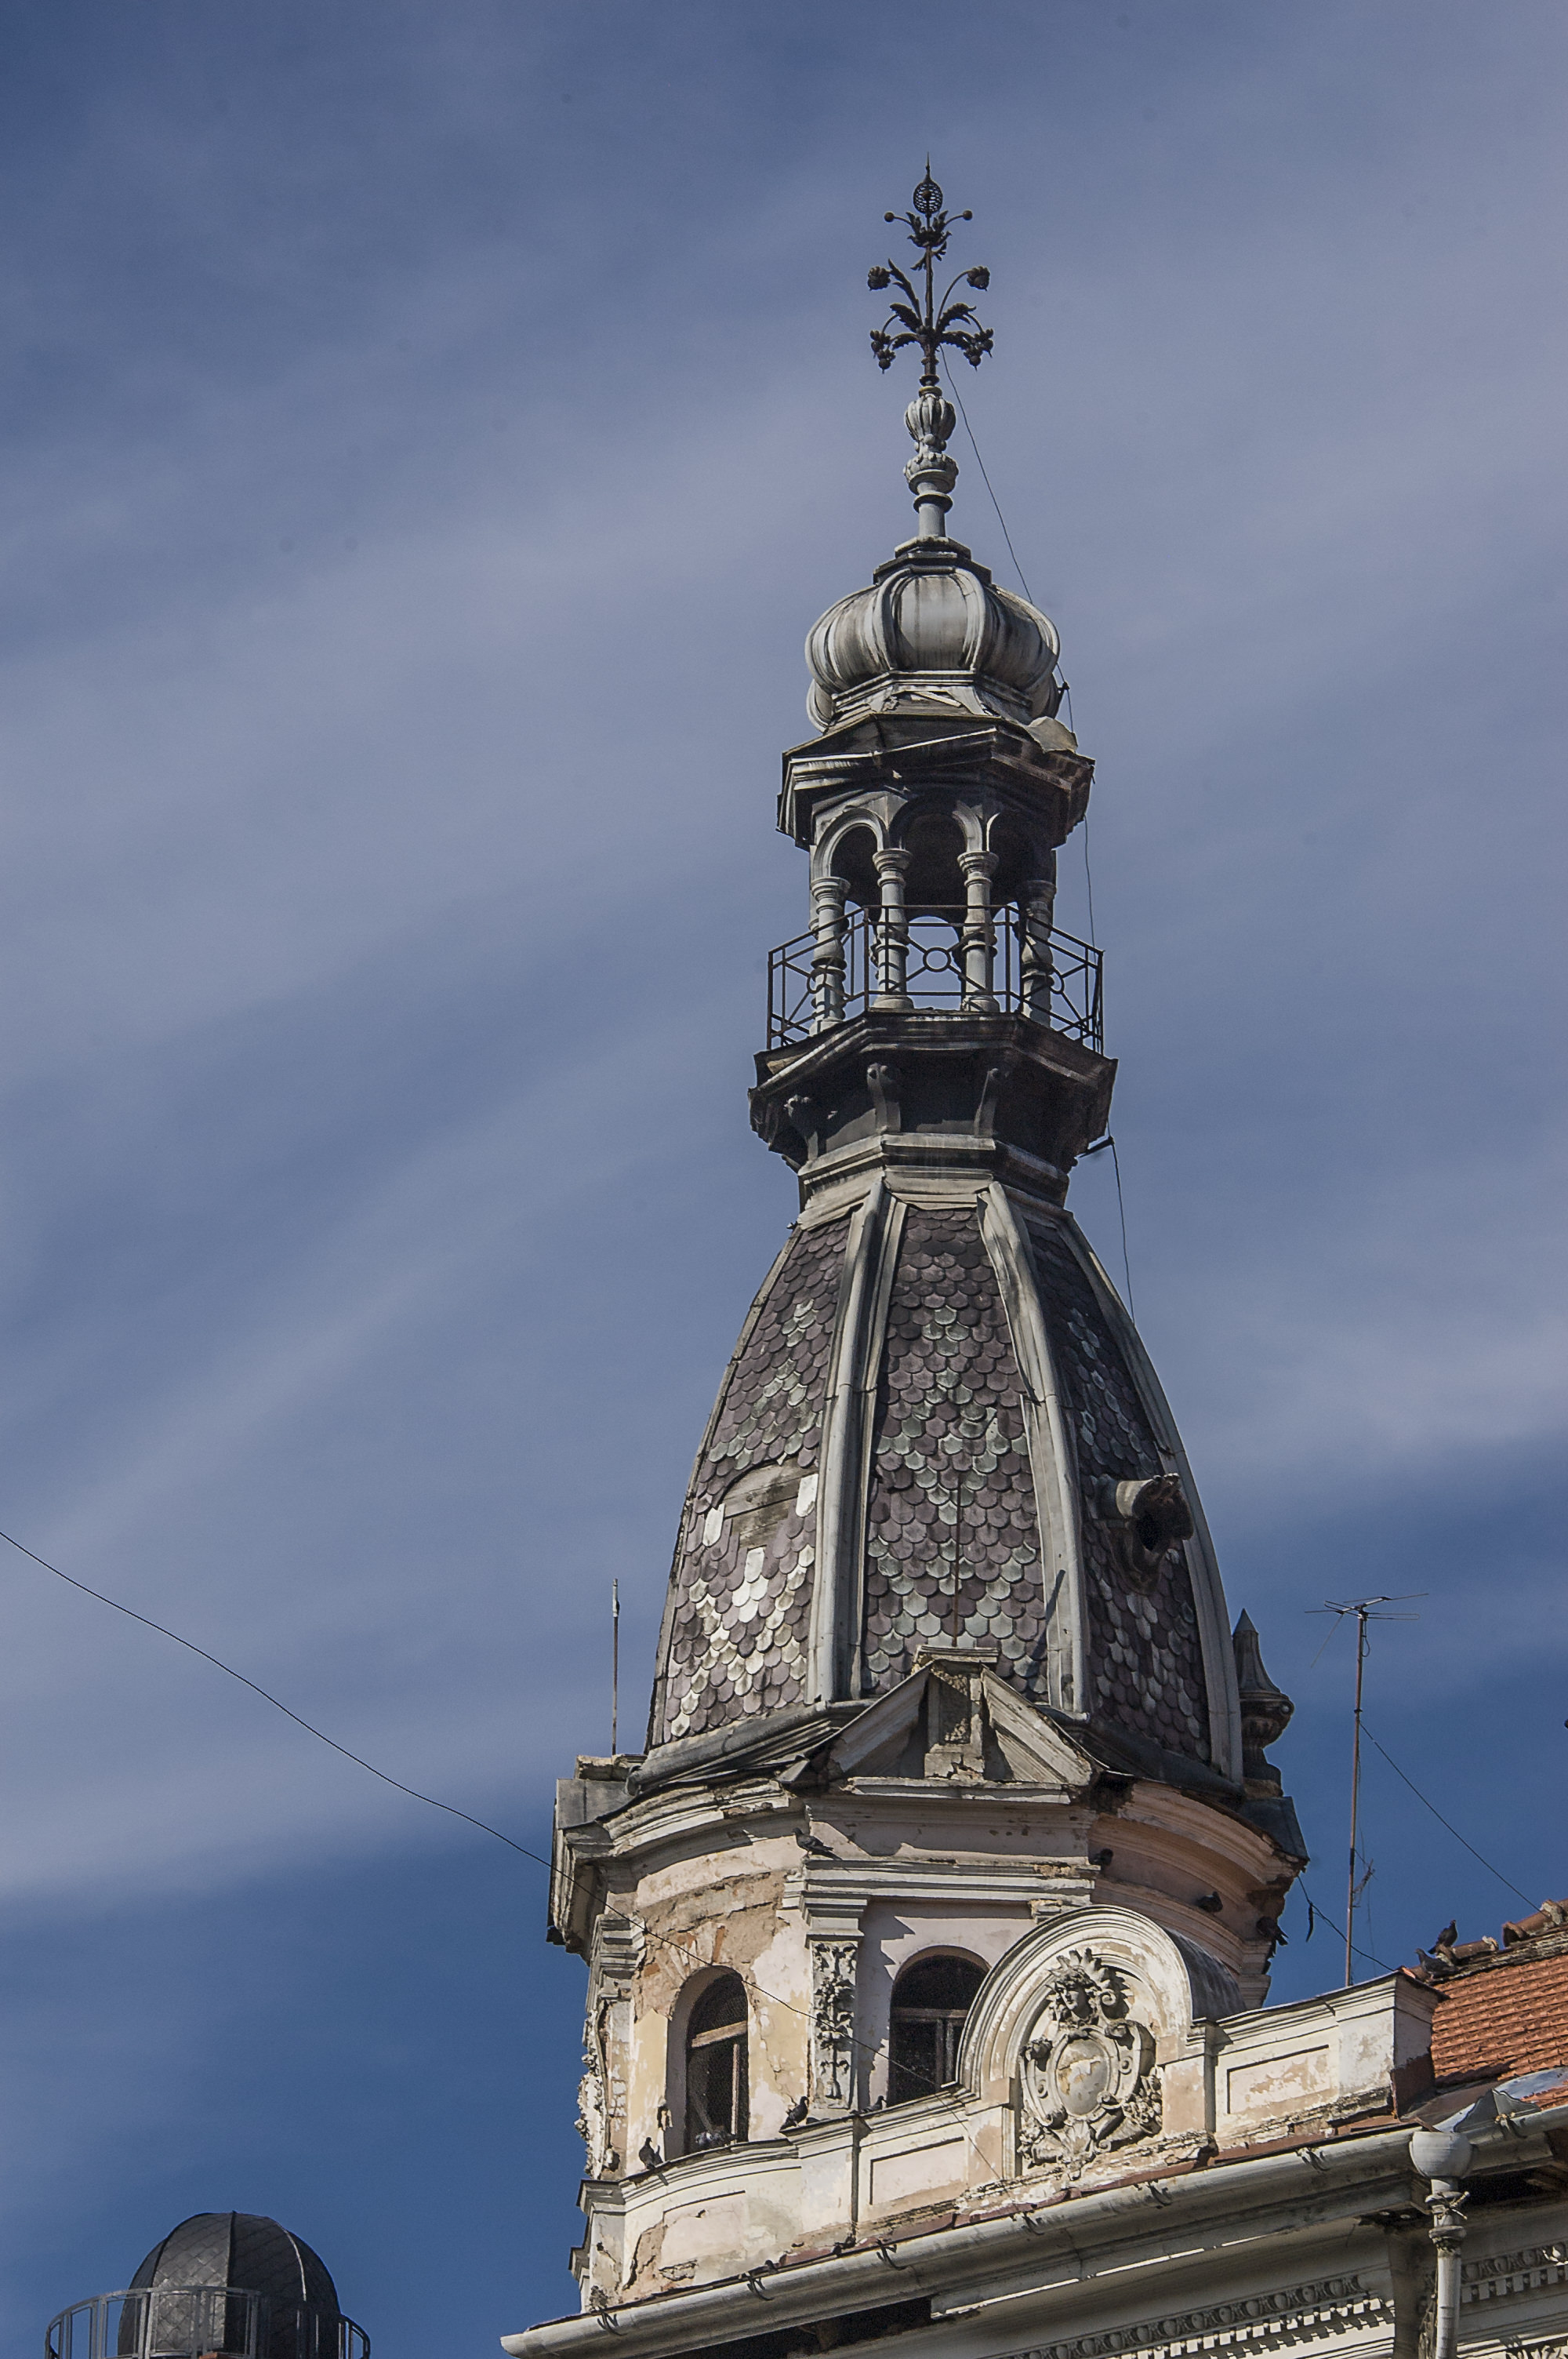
(1145, 1658)
(952, 1540)
(737, 1636)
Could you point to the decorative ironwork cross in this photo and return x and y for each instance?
(921, 319)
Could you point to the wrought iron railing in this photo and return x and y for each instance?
(947, 961)
(189, 2322)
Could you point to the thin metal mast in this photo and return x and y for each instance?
(615, 1667)
(1355, 1794)
(1365, 1610)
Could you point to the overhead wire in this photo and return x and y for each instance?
(1084, 822)
(1066, 691)
(1099, 1148)
(484, 1826)
(1506, 1881)
(267, 1697)
(414, 1794)
(866, 2048)
(980, 463)
(1338, 1931)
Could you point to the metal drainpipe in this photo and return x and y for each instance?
(1443, 2157)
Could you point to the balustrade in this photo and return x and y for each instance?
(976, 959)
(182, 2321)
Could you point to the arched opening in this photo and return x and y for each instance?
(855, 859)
(931, 2000)
(716, 2080)
(934, 840)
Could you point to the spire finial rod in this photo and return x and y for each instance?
(933, 325)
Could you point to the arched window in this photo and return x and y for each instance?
(715, 2094)
(930, 2001)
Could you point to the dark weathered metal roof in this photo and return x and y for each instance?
(952, 1546)
(243, 2250)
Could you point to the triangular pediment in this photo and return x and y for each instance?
(953, 1717)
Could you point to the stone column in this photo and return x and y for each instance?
(827, 895)
(892, 935)
(1036, 906)
(979, 945)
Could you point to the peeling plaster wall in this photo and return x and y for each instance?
(697, 1920)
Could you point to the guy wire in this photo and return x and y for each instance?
(1067, 691)
(1442, 1821)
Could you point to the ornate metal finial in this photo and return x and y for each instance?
(922, 321)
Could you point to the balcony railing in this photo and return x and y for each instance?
(189, 2322)
(862, 959)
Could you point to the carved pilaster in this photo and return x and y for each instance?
(606, 2045)
(834, 1962)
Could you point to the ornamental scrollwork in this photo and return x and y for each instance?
(920, 318)
(1087, 2078)
(593, 2100)
(832, 2023)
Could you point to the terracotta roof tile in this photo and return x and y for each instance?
(1504, 2017)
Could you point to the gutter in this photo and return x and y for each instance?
(1312, 2182)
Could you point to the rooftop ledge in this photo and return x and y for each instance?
(1273, 2117)
(1334, 2174)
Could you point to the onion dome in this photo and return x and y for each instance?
(932, 632)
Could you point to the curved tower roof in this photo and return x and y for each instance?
(925, 1439)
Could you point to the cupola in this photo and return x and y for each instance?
(222, 2285)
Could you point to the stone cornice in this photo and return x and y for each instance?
(1344, 2178)
(1501, 2274)
(1265, 2321)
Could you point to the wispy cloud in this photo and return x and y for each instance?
(435, 435)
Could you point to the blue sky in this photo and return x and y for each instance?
(430, 433)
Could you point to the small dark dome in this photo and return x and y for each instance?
(244, 2251)
(232, 2282)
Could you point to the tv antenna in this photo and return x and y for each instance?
(1365, 1609)
(614, 1669)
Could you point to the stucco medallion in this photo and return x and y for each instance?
(1086, 2081)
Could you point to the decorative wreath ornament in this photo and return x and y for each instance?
(1087, 2078)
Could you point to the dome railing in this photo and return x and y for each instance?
(862, 961)
(200, 2322)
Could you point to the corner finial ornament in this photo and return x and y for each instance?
(933, 325)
